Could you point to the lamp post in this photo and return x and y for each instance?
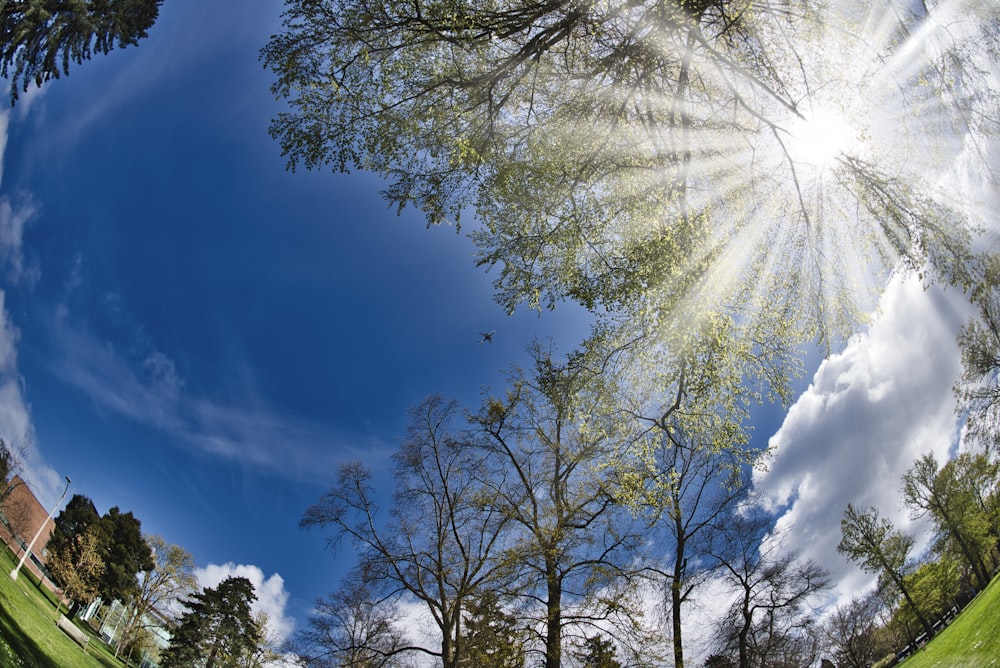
(24, 557)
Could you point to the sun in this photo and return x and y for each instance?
(819, 138)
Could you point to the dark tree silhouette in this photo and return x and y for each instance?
(39, 38)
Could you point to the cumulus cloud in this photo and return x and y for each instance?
(869, 413)
(271, 595)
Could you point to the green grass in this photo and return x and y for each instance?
(972, 640)
(29, 637)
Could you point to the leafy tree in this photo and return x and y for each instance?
(880, 548)
(978, 390)
(349, 629)
(599, 652)
(688, 397)
(952, 502)
(77, 567)
(119, 543)
(76, 536)
(39, 38)
(438, 543)
(170, 578)
(218, 628)
(572, 544)
(493, 637)
(125, 553)
(614, 151)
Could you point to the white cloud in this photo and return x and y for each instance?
(14, 219)
(271, 595)
(15, 415)
(868, 414)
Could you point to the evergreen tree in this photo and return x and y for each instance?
(493, 638)
(600, 653)
(125, 553)
(39, 38)
(217, 629)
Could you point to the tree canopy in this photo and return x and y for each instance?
(639, 155)
(39, 38)
(217, 629)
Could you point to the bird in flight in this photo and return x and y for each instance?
(487, 337)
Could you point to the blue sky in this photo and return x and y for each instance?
(203, 335)
(196, 335)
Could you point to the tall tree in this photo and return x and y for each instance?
(125, 553)
(851, 632)
(978, 389)
(77, 533)
(573, 544)
(39, 38)
(438, 543)
(880, 548)
(351, 629)
(77, 567)
(615, 151)
(218, 628)
(688, 397)
(170, 578)
(599, 652)
(773, 588)
(951, 501)
(494, 637)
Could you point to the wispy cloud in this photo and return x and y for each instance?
(868, 414)
(129, 375)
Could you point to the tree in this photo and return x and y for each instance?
(687, 397)
(76, 536)
(851, 632)
(572, 544)
(39, 38)
(493, 637)
(218, 628)
(978, 390)
(950, 500)
(169, 579)
(765, 622)
(349, 629)
(119, 543)
(11, 459)
(879, 548)
(438, 543)
(599, 652)
(125, 553)
(77, 567)
(624, 152)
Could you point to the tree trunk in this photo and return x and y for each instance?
(553, 620)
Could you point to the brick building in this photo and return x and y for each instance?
(20, 517)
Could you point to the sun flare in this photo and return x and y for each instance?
(819, 138)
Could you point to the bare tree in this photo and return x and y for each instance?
(438, 542)
(851, 631)
(170, 579)
(351, 629)
(768, 620)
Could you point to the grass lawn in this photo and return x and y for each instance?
(972, 640)
(29, 637)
